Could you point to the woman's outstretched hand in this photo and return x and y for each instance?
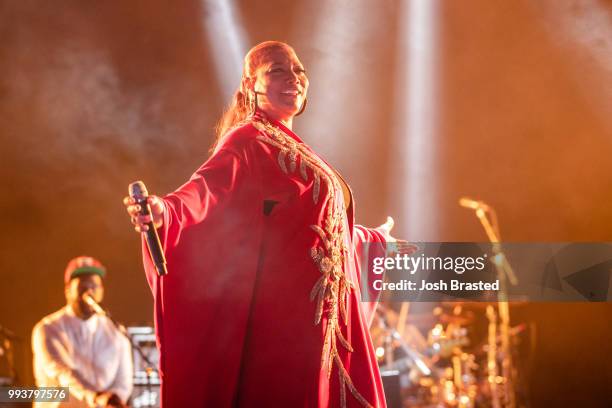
(140, 221)
(395, 246)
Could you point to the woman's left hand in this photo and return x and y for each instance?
(395, 246)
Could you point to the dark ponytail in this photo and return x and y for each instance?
(236, 112)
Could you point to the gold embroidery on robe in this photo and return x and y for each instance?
(333, 286)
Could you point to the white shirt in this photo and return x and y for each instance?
(89, 356)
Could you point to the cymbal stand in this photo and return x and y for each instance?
(492, 357)
(8, 338)
(504, 274)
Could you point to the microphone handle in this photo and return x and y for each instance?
(152, 238)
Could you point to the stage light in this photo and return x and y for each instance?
(415, 140)
(339, 88)
(227, 41)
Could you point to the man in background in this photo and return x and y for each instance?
(77, 348)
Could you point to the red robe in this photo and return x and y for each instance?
(261, 305)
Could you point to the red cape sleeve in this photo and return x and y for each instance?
(211, 238)
(211, 189)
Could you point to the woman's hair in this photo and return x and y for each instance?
(238, 109)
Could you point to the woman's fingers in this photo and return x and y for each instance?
(141, 219)
(140, 222)
(156, 204)
(131, 206)
(141, 228)
(386, 228)
(401, 247)
(135, 212)
(406, 248)
(388, 225)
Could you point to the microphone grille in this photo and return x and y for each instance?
(138, 189)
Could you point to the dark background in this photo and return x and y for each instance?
(96, 94)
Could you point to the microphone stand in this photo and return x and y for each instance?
(7, 345)
(121, 328)
(150, 366)
(504, 270)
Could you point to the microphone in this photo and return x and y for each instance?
(100, 311)
(138, 191)
(93, 304)
(473, 204)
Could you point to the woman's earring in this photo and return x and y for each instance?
(303, 108)
(252, 100)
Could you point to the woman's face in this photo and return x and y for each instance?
(281, 84)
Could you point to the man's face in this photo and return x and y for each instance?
(77, 287)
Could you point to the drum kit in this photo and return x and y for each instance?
(459, 355)
(438, 359)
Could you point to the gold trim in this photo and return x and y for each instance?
(333, 286)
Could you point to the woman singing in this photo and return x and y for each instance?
(261, 306)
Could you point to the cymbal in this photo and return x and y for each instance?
(482, 305)
(461, 320)
(417, 319)
(426, 319)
